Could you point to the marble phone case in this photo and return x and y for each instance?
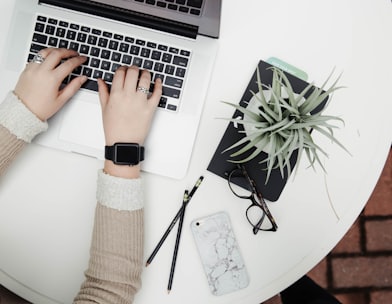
(219, 253)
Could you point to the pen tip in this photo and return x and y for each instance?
(168, 291)
(147, 264)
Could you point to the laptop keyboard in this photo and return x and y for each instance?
(192, 7)
(106, 51)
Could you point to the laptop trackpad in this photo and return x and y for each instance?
(82, 124)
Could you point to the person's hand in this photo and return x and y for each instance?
(39, 84)
(127, 112)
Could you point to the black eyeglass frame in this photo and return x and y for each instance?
(258, 203)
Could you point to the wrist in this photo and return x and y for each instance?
(121, 170)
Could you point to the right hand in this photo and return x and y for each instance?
(126, 111)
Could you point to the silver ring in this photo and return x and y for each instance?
(143, 90)
(38, 58)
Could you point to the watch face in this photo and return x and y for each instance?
(127, 154)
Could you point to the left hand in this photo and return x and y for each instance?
(39, 84)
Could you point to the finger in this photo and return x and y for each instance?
(53, 57)
(144, 81)
(157, 93)
(44, 53)
(119, 78)
(70, 89)
(131, 78)
(68, 66)
(103, 92)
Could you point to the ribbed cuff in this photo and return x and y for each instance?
(119, 193)
(19, 120)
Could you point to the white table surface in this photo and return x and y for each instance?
(47, 198)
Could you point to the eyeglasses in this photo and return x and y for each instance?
(257, 214)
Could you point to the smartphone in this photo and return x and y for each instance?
(219, 253)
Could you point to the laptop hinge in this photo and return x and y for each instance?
(128, 16)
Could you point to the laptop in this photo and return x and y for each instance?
(176, 40)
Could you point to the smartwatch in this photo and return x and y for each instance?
(129, 154)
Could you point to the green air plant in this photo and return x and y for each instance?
(279, 121)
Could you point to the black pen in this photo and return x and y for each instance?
(176, 246)
(173, 222)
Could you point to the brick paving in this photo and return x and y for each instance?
(359, 269)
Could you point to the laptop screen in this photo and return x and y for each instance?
(186, 18)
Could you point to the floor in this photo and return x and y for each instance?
(359, 269)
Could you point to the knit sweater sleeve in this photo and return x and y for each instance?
(18, 126)
(116, 253)
(114, 270)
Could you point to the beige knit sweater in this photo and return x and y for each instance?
(114, 270)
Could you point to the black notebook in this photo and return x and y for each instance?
(258, 172)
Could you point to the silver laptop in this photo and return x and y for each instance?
(176, 40)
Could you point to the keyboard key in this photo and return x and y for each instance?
(169, 69)
(95, 62)
(195, 3)
(172, 107)
(174, 82)
(162, 102)
(50, 29)
(103, 42)
(127, 59)
(60, 32)
(115, 66)
(195, 12)
(71, 35)
(156, 55)
(39, 27)
(90, 85)
(105, 54)
(74, 46)
(167, 58)
(105, 65)
(84, 49)
(185, 53)
(74, 26)
(41, 18)
(85, 29)
(108, 77)
(113, 45)
(118, 37)
(181, 61)
(97, 74)
(35, 48)
(170, 92)
(63, 23)
(116, 57)
(174, 50)
(148, 64)
(92, 40)
(87, 71)
(53, 41)
(137, 61)
(95, 51)
(184, 9)
(180, 72)
(107, 34)
(52, 21)
(124, 47)
(140, 42)
(158, 67)
(63, 44)
(135, 50)
(82, 37)
(145, 53)
(96, 32)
